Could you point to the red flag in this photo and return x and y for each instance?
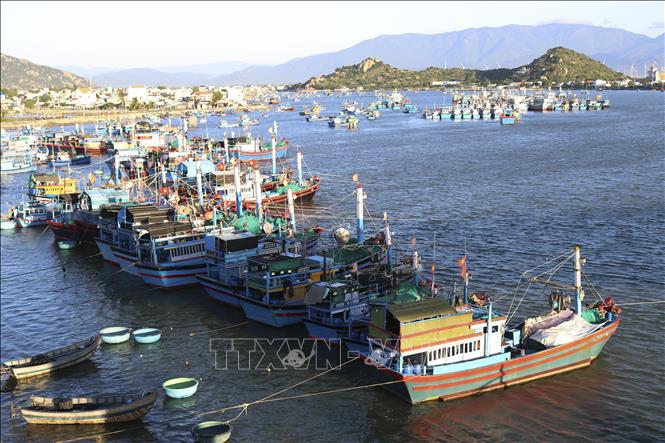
(462, 265)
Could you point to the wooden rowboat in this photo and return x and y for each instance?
(42, 364)
(88, 410)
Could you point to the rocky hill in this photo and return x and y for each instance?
(18, 73)
(556, 65)
(562, 65)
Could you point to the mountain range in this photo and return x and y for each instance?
(478, 48)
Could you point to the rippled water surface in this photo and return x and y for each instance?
(516, 194)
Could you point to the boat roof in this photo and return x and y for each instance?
(421, 309)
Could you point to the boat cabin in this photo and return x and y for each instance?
(422, 336)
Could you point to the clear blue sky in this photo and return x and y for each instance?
(143, 34)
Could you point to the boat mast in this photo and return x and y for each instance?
(257, 192)
(273, 143)
(299, 166)
(389, 241)
(489, 329)
(579, 292)
(292, 212)
(360, 217)
(236, 179)
(415, 261)
(199, 184)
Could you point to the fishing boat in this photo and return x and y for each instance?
(276, 285)
(118, 225)
(116, 408)
(45, 363)
(443, 349)
(169, 255)
(337, 309)
(68, 159)
(32, 213)
(248, 148)
(16, 163)
(244, 120)
(507, 117)
(79, 218)
(46, 187)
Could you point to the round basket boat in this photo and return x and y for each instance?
(147, 335)
(212, 432)
(182, 387)
(115, 334)
(67, 244)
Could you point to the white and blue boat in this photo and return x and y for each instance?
(32, 214)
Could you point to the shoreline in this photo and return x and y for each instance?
(52, 117)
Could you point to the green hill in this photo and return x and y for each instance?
(16, 73)
(564, 65)
(556, 65)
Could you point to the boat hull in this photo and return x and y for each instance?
(113, 414)
(463, 383)
(85, 350)
(19, 170)
(169, 278)
(221, 293)
(275, 316)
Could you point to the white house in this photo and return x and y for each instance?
(235, 94)
(84, 97)
(140, 93)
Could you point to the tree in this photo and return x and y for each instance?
(134, 105)
(216, 97)
(29, 103)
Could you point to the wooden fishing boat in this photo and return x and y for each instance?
(212, 432)
(88, 410)
(41, 364)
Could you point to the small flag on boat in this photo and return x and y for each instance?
(462, 265)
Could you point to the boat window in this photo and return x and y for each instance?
(495, 328)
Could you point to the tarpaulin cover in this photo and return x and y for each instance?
(566, 332)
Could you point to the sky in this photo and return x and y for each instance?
(153, 34)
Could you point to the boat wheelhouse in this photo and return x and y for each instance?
(117, 224)
(276, 286)
(31, 214)
(170, 254)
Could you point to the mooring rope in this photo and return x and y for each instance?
(245, 406)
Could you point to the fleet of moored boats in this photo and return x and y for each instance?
(178, 212)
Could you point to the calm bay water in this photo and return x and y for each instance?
(516, 195)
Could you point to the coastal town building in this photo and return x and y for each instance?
(140, 93)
